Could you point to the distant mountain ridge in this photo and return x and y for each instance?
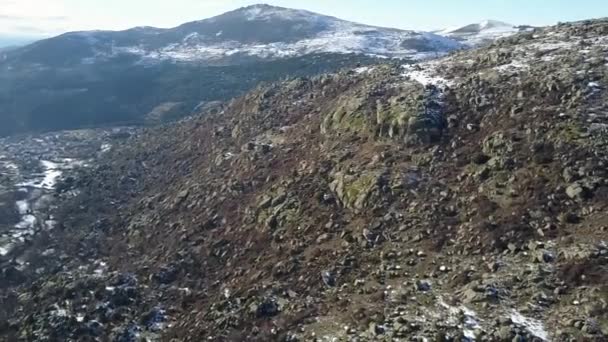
(483, 32)
(249, 33)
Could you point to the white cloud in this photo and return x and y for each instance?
(51, 17)
(32, 17)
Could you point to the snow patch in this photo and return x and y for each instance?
(190, 36)
(362, 70)
(47, 180)
(23, 207)
(479, 33)
(267, 12)
(27, 222)
(424, 75)
(534, 327)
(52, 171)
(11, 166)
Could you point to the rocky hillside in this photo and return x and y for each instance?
(454, 200)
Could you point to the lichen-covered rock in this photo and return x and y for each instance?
(354, 191)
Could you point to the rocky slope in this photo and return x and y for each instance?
(458, 199)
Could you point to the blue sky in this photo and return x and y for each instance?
(35, 18)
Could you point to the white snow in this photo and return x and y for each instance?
(362, 70)
(266, 12)
(425, 74)
(27, 222)
(471, 322)
(478, 33)
(343, 37)
(254, 13)
(480, 26)
(23, 207)
(47, 180)
(51, 173)
(102, 268)
(11, 166)
(339, 36)
(533, 326)
(191, 36)
(61, 312)
(132, 50)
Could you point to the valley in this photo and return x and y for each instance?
(32, 169)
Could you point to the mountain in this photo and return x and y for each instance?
(83, 79)
(253, 33)
(457, 199)
(10, 41)
(8, 48)
(480, 33)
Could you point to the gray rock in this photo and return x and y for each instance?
(423, 285)
(328, 278)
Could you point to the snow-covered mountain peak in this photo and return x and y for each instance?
(475, 28)
(264, 12)
(492, 24)
(258, 32)
(480, 33)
